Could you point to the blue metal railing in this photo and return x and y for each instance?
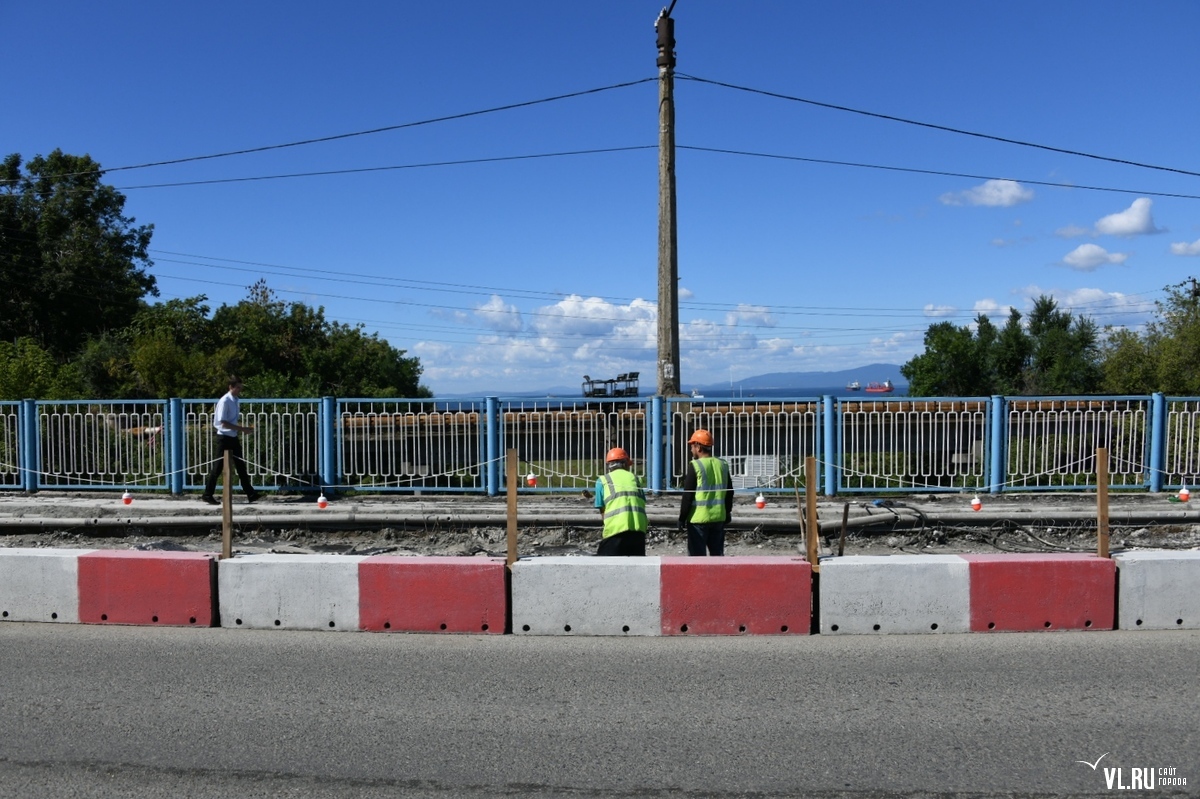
(892, 444)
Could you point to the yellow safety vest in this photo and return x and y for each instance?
(624, 503)
(712, 475)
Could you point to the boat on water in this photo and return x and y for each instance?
(854, 385)
(885, 387)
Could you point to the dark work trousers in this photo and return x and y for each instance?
(706, 539)
(630, 542)
(234, 445)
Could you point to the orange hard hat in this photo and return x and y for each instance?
(701, 437)
(616, 454)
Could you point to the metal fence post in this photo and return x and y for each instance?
(30, 446)
(996, 471)
(492, 418)
(174, 439)
(657, 437)
(1158, 440)
(329, 443)
(831, 455)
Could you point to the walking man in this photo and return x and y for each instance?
(225, 420)
(707, 502)
(622, 504)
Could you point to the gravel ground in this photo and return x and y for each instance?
(568, 525)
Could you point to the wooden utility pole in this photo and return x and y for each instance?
(668, 254)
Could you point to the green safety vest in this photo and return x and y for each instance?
(624, 503)
(712, 475)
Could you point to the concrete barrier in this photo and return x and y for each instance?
(433, 594)
(894, 594)
(290, 592)
(586, 596)
(1159, 590)
(128, 587)
(1025, 592)
(40, 584)
(736, 595)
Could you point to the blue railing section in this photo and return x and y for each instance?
(869, 445)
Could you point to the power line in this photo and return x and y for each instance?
(933, 126)
(372, 131)
(935, 172)
(496, 159)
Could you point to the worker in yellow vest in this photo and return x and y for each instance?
(707, 498)
(622, 504)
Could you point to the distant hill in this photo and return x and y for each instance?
(871, 373)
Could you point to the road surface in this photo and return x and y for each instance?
(93, 711)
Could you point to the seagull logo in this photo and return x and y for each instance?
(1092, 766)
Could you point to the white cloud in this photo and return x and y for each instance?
(1183, 248)
(750, 314)
(1089, 257)
(1133, 221)
(993, 193)
(1071, 232)
(992, 309)
(1104, 307)
(498, 315)
(938, 311)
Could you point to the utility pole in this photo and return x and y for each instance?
(668, 254)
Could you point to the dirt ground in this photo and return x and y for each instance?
(557, 525)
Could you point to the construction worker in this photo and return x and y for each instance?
(707, 498)
(622, 504)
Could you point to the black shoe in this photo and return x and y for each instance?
(211, 500)
(252, 498)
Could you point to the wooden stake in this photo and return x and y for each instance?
(1102, 501)
(810, 497)
(227, 509)
(511, 484)
(845, 523)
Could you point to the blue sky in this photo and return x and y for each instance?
(529, 268)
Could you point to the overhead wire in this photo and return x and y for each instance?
(933, 126)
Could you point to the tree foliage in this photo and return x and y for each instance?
(1054, 353)
(72, 265)
(75, 321)
(1166, 356)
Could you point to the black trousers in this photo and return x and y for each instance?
(706, 539)
(232, 444)
(630, 542)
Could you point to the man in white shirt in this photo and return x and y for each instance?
(225, 420)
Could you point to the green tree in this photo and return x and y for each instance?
(286, 349)
(1128, 364)
(27, 371)
(1056, 353)
(72, 265)
(1166, 356)
(1066, 352)
(950, 365)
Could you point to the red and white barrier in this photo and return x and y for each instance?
(104, 586)
(967, 593)
(124, 587)
(662, 596)
(40, 584)
(736, 595)
(1160, 590)
(433, 594)
(350, 593)
(1026, 592)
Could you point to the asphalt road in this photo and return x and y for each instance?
(94, 711)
